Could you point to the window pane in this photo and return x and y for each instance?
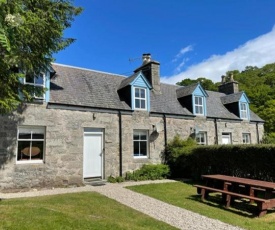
(136, 148)
(136, 136)
(200, 101)
(37, 150)
(25, 136)
(39, 80)
(196, 100)
(38, 136)
(23, 152)
(143, 137)
(30, 78)
(136, 92)
(143, 148)
(142, 106)
(137, 103)
(142, 93)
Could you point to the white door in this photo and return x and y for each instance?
(93, 153)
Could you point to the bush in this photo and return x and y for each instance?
(149, 172)
(252, 161)
(176, 156)
(117, 179)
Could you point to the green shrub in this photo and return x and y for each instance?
(176, 155)
(252, 161)
(149, 172)
(117, 179)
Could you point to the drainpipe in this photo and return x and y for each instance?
(216, 131)
(165, 130)
(120, 143)
(257, 132)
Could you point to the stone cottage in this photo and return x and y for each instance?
(92, 124)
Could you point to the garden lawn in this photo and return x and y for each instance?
(185, 196)
(87, 210)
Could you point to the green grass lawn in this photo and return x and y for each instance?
(185, 195)
(87, 210)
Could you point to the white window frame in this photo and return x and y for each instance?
(246, 138)
(227, 135)
(140, 141)
(34, 83)
(201, 138)
(139, 98)
(21, 158)
(199, 105)
(243, 110)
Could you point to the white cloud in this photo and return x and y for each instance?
(256, 52)
(182, 52)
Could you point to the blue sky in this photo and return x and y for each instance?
(190, 38)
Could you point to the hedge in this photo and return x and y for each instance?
(251, 161)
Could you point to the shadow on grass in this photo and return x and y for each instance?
(239, 207)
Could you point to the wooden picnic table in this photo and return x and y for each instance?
(232, 187)
(250, 185)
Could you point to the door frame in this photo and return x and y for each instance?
(95, 131)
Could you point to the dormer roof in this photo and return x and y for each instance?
(189, 90)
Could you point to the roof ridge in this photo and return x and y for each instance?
(86, 69)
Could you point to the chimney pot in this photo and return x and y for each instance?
(146, 58)
(231, 77)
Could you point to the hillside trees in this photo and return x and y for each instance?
(31, 31)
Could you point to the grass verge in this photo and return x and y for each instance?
(185, 196)
(85, 210)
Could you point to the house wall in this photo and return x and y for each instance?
(64, 142)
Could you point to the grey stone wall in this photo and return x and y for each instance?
(64, 142)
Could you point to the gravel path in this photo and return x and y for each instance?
(175, 216)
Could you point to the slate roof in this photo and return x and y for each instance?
(128, 80)
(231, 98)
(186, 90)
(82, 87)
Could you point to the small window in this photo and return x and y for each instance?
(226, 138)
(36, 81)
(199, 105)
(31, 141)
(140, 98)
(201, 138)
(140, 143)
(246, 138)
(244, 111)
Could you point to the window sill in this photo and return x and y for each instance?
(140, 157)
(24, 162)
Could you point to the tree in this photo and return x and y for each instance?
(207, 84)
(31, 31)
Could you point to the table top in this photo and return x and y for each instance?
(240, 180)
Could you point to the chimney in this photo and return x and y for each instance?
(150, 70)
(230, 86)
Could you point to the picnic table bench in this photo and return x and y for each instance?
(263, 204)
(236, 187)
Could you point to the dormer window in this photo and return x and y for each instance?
(140, 98)
(199, 105)
(243, 110)
(37, 81)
